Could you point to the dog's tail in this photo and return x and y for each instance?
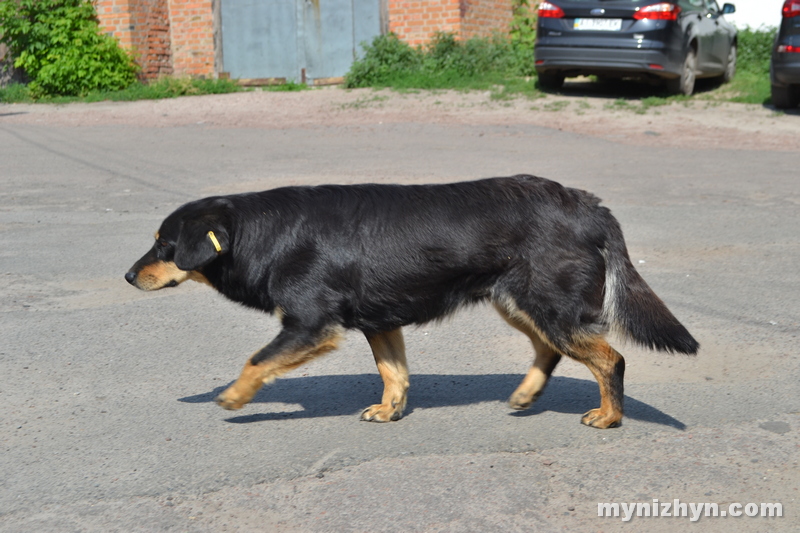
(632, 308)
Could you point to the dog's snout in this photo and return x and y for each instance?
(130, 277)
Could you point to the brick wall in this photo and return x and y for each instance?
(483, 17)
(141, 26)
(167, 36)
(115, 19)
(192, 23)
(414, 21)
(151, 40)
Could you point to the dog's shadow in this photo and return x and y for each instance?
(348, 394)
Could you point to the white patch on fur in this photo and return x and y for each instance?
(610, 294)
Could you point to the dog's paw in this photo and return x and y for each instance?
(597, 419)
(381, 413)
(231, 401)
(521, 400)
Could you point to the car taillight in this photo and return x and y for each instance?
(791, 8)
(787, 48)
(550, 11)
(660, 11)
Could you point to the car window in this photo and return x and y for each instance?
(712, 6)
(691, 4)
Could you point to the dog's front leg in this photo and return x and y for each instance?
(290, 349)
(390, 356)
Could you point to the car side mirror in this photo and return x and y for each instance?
(727, 9)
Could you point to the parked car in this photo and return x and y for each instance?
(784, 71)
(668, 42)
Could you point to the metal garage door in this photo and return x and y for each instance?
(286, 38)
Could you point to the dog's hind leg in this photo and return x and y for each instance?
(291, 348)
(543, 364)
(608, 367)
(390, 356)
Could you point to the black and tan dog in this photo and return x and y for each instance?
(375, 258)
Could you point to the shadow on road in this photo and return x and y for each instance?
(348, 394)
(625, 89)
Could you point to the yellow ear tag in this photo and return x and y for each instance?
(214, 241)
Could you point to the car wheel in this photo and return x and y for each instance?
(684, 84)
(730, 66)
(785, 97)
(550, 80)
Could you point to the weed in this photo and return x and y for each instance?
(162, 88)
(445, 63)
(363, 102)
(558, 105)
(286, 87)
(15, 93)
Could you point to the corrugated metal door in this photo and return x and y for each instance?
(284, 38)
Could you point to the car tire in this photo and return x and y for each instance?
(551, 81)
(730, 66)
(684, 84)
(785, 97)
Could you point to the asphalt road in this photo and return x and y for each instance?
(108, 422)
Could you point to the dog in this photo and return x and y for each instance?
(550, 259)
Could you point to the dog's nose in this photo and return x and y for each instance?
(130, 277)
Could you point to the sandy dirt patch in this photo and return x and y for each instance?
(697, 124)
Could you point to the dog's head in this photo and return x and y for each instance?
(188, 240)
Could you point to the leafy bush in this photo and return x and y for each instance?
(523, 35)
(385, 58)
(755, 49)
(59, 45)
(444, 62)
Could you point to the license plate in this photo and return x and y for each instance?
(598, 24)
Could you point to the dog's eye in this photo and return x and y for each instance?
(162, 243)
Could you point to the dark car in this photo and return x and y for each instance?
(669, 42)
(784, 72)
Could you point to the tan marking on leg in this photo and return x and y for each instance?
(158, 275)
(253, 377)
(544, 363)
(608, 368)
(389, 351)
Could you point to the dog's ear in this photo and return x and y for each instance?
(200, 242)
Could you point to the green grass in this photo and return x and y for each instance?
(500, 65)
(746, 88)
(503, 66)
(15, 93)
(162, 88)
